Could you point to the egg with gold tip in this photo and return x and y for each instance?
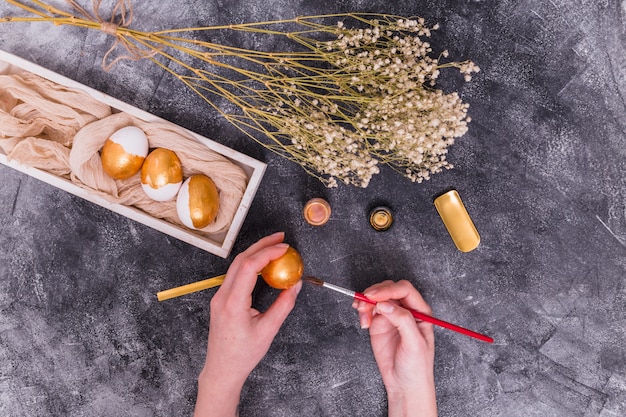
(124, 152)
(284, 272)
(197, 203)
(161, 174)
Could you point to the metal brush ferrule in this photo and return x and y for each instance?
(345, 291)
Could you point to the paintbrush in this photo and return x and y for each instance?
(420, 316)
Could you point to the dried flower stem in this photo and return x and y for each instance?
(348, 99)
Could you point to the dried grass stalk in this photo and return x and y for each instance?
(351, 92)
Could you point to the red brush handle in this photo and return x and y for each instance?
(433, 320)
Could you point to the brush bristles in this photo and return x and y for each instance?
(314, 281)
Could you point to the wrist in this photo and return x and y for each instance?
(221, 379)
(218, 395)
(410, 403)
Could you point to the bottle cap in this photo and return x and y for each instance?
(381, 218)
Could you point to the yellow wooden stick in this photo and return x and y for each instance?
(189, 288)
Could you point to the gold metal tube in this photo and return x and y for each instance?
(458, 222)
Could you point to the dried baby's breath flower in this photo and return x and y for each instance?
(356, 93)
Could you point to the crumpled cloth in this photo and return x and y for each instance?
(61, 131)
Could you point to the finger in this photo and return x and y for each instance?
(379, 285)
(270, 240)
(254, 248)
(246, 277)
(428, 331)
(403, 321)
(369, 307)
(403, 291)
(276, 314)
(362, 305)
(365, 319)
(365, 313)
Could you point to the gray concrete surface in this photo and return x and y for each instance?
(542, 171)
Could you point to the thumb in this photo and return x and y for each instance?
(401, 319)
(281, 307)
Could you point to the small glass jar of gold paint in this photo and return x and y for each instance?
(381, 218)
(316, 211)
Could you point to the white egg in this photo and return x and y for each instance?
(132, 139)
(197, 203)
(161, 175)
(164, 193)
(124, 152)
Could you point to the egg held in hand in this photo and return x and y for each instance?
(197, 203)
(161, 175)
(124, 152)
(285, 271)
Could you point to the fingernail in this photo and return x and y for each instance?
(298, 287)
(385, 307)
(369, 293)
(363, 321)
(282, 245)
(277, 234)
(355, 304)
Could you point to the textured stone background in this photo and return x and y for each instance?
(542, 172)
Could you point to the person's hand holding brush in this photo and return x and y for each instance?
(403, 347)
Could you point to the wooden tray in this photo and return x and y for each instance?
(219, 244)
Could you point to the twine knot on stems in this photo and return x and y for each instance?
(110, 28)
(123, 9)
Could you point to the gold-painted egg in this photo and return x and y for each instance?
(124, 152)
(198, 202)
(161, 174)
(284, 272)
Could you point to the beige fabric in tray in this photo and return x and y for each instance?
(39, 118)
(61, 131)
